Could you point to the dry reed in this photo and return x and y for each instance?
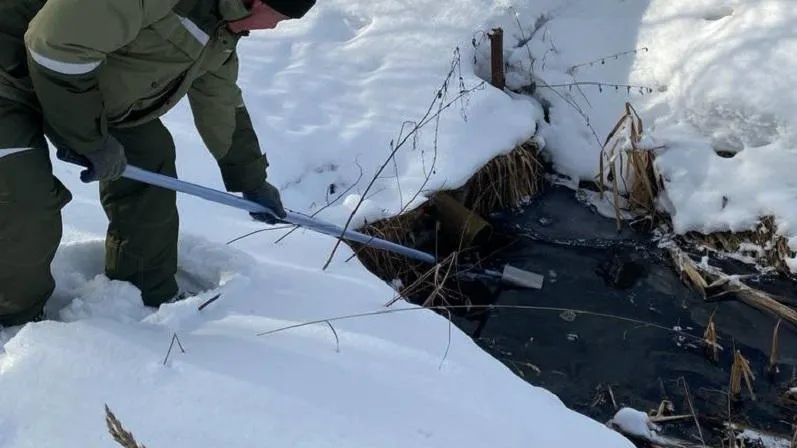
(505, 181)
(118, 432)
(741, 370)
(774, 352)
(635, 181)
(710, 338)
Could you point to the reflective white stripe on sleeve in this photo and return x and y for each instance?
(195, 31)
(9, 151)
(66, 68)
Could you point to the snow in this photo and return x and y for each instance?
(749, 436)
(719, 75)
(635, 423)
(330, 95)
(327, 95)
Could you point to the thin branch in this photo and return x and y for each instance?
(174, 338)
(427, 117)
(208, 302)
(601, 85)
(337, 339)
(602, 60)
(486, 307)
(342, 194)
(267, 229)
(692, 410)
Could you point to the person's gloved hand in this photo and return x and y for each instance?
(268, 196)
(107, 163)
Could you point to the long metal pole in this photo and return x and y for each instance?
(222, 197)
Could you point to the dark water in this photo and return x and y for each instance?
(589, 266)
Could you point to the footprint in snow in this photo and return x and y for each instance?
(83, 291)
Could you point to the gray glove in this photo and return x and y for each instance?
(267, 196)
(107, 163)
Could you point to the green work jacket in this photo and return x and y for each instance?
(89, 65)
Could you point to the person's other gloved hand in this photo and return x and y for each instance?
(268, 196)
(107, 163)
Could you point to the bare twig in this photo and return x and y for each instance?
(329, 204)
(255, 232)
(485, 307)
(337, 339)
(118, 432)
(602, 60)
(174, 338)
(692, 409)
(427, 117)
(601, 85)
(208, 302)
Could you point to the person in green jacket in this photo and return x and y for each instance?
(94, 77)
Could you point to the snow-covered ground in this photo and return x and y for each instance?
(328, 94)
(705, 76)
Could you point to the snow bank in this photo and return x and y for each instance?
(381, 381)
(706, 76)
(327, 94)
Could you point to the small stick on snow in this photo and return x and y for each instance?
(174, 338)
(209, 301)
(337, 339)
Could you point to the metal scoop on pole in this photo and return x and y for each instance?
(509, 275)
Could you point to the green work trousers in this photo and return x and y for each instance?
(141, 239)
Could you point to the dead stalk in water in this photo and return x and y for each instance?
(626, 139)
(699, 276)
(774, 352)
(118, 432)
(794, 439)
(741, 369)
(710, 338)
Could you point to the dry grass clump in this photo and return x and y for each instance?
(629, 168)
(766, 247)
(401, 229)
(505, 181)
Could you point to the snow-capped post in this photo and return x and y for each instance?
(497, 57)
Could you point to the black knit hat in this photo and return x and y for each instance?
(294, 9)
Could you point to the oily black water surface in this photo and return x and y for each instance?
(591, 266)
